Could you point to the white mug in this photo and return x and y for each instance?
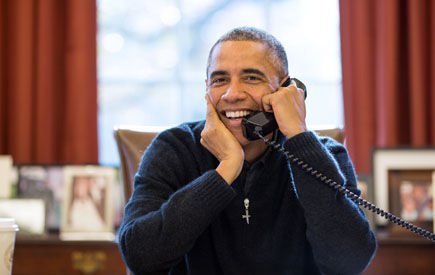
(8, 230)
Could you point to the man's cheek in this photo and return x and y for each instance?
(221, 117)
(213, 97)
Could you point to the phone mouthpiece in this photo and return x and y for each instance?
(258, 122)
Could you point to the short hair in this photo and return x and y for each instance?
(277, 51)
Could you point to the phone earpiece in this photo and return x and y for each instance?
(287, 82)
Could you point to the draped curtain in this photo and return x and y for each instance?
(388, 64)
(48, 81)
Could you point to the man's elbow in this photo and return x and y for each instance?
(370, 252)
(356, 259)
(363, 255)
(133, 254)
(143, 257)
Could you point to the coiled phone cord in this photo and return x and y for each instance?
(346, 192)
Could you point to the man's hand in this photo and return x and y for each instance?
(222, 144)
(288, 107)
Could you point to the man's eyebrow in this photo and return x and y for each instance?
(218, 73)
(253, 71)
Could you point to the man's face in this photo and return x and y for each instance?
(240, 74)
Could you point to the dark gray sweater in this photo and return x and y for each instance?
(183, 218)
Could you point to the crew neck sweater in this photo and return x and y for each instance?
(183, 218)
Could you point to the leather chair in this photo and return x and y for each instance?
(334, 133)
(133, 141)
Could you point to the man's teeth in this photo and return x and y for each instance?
(237, 114)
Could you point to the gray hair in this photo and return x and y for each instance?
(277, 52)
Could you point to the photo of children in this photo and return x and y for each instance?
(416, 201)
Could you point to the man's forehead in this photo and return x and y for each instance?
(242, 55)
(242, 52)
(240, 47)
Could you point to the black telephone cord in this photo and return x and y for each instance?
(346, 192)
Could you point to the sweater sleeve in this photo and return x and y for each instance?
(168, 209)
(337, 229)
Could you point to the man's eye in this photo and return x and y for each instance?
(252, 78)
(218, 81)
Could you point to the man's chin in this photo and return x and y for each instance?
(240, 137)
(235, 127)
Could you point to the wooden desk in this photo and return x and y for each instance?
(403, 257)
(52, 256)
(49, 255)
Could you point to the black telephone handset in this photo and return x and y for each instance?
(259, 124)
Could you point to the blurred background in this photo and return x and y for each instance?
(70, 71)
(73, 70)
(152, 57)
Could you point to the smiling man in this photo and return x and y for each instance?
(209, 201)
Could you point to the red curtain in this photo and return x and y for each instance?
(388, 62)
(48, 81)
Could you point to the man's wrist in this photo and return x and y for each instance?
(293, 132)
(229, 170)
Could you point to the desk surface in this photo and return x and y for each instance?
(50, 255)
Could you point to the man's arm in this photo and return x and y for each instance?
(165, 216)
(168, 210)
(219, 141)
(337, 230)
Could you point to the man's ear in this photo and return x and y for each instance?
(206, 85)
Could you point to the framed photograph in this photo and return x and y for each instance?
(397, 173)
(411, 198)
(43, 182)
(29, 214)
(88, 208)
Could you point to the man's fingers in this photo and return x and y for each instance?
(211, 111)
(212, 116)
(300, 90)
(265, 101)
(268, 101)
(293, 83)
(295, 86)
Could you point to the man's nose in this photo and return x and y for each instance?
(235, 92)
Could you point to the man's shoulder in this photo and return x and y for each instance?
(182, 140)
(332, 144)
(186, 132)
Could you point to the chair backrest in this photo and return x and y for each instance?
(335, 133)
(132, 142)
